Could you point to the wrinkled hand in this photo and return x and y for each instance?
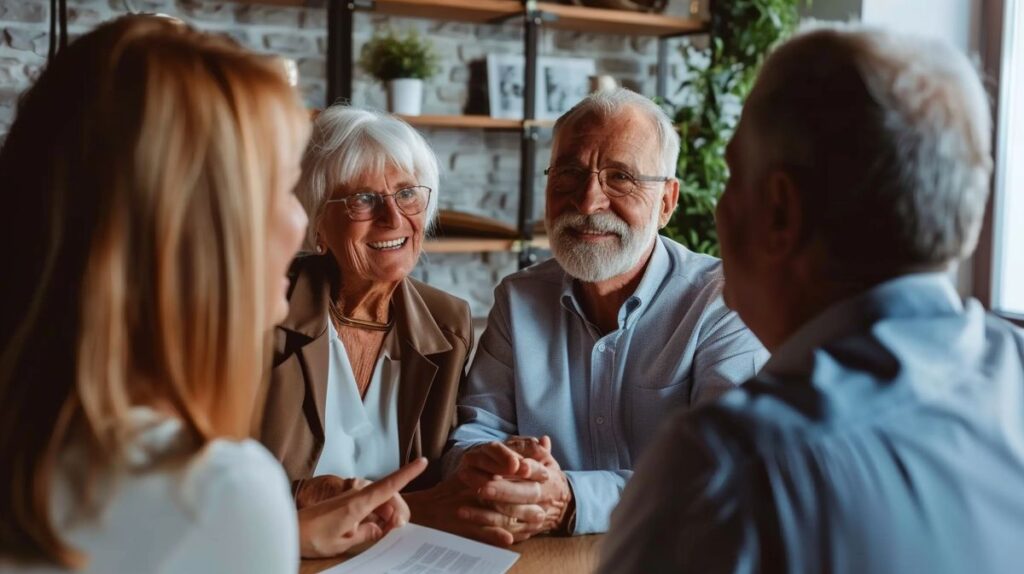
(357, 516)
(453, 507)
(320, 488)
(512, 476)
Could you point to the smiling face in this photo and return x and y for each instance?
(595, 237)
(384, 249)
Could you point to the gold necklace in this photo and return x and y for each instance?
(358, 323)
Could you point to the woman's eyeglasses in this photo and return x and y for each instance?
(365, 206)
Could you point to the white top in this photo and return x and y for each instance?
(227, 509)
(361, 434)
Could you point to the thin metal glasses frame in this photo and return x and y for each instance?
(380, 201)
(637, 179)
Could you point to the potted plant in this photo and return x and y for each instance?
(719, 77)
(401, 63)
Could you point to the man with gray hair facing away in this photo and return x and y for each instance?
(886, 433)
(584, 355)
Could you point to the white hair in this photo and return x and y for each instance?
(892, 134)
(607, 103)
(348, 143)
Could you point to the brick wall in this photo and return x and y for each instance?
(480, 170)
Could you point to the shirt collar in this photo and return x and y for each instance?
(658, 268)
(916, 295)
(310, 293)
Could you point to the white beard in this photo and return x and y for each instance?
(592, 263)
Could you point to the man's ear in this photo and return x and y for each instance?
(785, 217)
(669, 201)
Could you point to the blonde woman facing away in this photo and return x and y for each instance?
(149, 223)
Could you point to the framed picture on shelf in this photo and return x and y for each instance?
(506, 75)
(561, 83)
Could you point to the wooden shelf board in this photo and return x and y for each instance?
(294, 3)
(469, 245)
(567, 17)
(480, 245)
(478, 122)
(622, 22)
(539, 123)
(479, 11)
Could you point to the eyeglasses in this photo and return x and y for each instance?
(365, 206)
(615, 182)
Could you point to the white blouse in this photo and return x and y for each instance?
(361, 434)
(227, 509)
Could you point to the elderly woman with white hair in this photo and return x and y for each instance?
(368, 362)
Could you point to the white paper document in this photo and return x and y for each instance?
(414, 549)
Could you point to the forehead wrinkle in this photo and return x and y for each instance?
(625, 137)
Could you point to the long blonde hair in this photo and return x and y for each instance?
(136, 182)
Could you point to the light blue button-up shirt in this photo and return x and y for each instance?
(543, 369)
(885, 436)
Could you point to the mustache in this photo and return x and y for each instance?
(600, 222)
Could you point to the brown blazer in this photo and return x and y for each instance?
(434, 337)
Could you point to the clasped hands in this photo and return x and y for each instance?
(501, 493)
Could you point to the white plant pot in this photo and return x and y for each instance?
(405, 96)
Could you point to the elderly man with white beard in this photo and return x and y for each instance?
(584, 355)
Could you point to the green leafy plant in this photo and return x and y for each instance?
(390, 56)
(719, 77)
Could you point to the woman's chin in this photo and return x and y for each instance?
(278, 312)
(392, 269)
(392, 274)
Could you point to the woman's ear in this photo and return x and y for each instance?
(319, 245)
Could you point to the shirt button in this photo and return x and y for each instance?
(600, 420)
(600, 348)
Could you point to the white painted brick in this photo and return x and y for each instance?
(157, 6)
(277, 16)
(312, 68)
(316, 19)
(27, 40)
(509, 32)
(472, 161)
(204, 11)
(288, 43)
(460, 30)
(24, 11)
(644, 45)
(619, 66)
(85, 16)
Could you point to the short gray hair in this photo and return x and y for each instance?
(607, 103)
(348, 143)
(889, 139)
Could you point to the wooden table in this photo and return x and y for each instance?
(542, 555)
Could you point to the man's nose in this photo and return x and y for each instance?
(592, 197)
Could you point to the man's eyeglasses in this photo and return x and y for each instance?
(616, 182)
(366, 205)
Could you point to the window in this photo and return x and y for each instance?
(1008, 207)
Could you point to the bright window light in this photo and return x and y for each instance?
(1008, 295)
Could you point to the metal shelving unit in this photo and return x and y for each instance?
(535, 16)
